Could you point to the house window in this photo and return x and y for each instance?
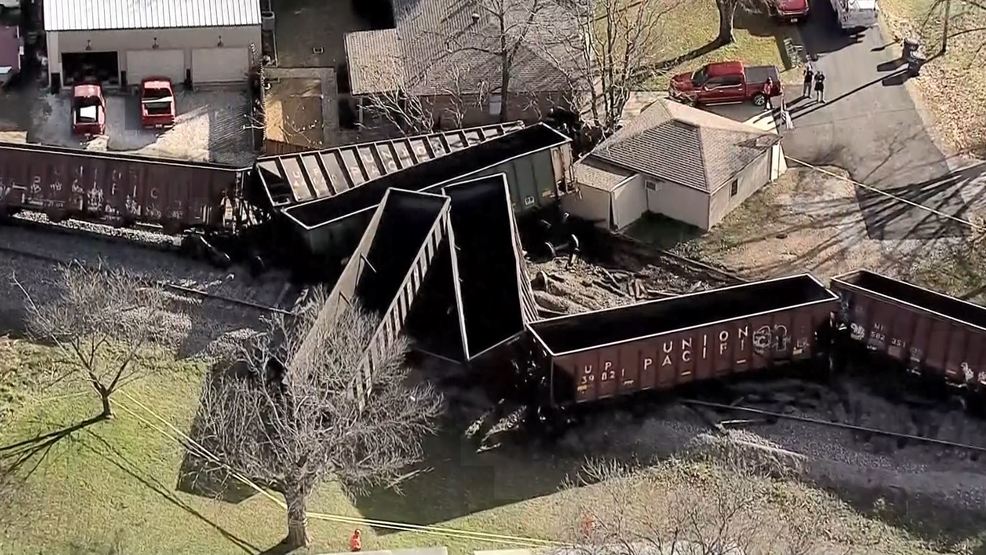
(734, 188)
(496, 104)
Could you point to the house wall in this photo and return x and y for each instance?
(681, 203)
(589, 204)
(518, 107)
(749, 180)
(629, 202)
(61, 42)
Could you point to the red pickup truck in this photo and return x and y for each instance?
(157, 103)
(88, 110)
(725, 83)
(791, 10)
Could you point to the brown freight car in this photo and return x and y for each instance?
(927, 332)
(700, 336)
(115, 188)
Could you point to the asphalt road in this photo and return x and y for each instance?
(869, 126)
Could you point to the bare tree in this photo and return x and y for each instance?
(727, 16)
(287, 415)
(501, 30)
(403, 106)
(101, 321)
(948, 19)
(618, 514)
(616, 50)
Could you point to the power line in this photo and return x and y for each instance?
(186, 441)
(889, 195)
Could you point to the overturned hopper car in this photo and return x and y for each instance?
(387, 270)
(535, 161)
(119, 189)
(701, 336)
(925, 332)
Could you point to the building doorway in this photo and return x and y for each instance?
(91, 67)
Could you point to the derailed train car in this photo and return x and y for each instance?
(925, 332)
(535, 161)
(118, 189)
(666, 343)
(388, 268)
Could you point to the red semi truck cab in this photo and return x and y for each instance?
(725, 83)
(88, 110)
(791, 10)
(157, 103)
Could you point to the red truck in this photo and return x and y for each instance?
(791, 11)
(157, 103)
(88, 110)
(726, 83)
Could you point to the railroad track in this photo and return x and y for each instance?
(975, 449)
(170, 286)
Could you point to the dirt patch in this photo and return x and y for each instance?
(294, 111)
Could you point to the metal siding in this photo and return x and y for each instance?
(82, 15)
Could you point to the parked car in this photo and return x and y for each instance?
(157, 103)
(725, 83)
(88, 110)
(856, 15)
(791, 11)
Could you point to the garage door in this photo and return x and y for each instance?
(155, 63)
(220, 65)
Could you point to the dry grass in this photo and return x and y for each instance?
(951, 85)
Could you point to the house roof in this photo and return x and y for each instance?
(598, 174)
(91, 15)
(438, 47)
(685, 145)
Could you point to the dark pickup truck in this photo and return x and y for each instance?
(725, 83)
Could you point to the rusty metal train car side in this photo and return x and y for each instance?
(699, 336)
(288, 179)
(389, 267)
(927, 332)
(115, 188)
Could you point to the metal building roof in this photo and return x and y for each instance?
(93, 15)
(292, 178)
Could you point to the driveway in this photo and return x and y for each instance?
(871, 127)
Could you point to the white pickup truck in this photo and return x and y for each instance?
(855, 15)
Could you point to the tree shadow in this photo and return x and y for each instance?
(117, 458)
(455, 480)
(203, 478)
(695, 53)
(21, 459)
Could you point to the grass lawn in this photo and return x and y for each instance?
(759, 40)
(114, 484)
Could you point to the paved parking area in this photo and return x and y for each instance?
(310, 33)
(211, 126)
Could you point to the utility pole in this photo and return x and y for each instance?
(944, 37)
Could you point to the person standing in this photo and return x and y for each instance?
(768, 90)
(809, 80)
(820, 86)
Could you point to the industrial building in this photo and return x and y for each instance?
(120, 42)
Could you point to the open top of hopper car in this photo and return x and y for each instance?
(427, 175)
(591, 330)
(913, 296)
(486, 264)
(288, 179)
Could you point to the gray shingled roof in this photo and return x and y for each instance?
(437, 48)
(599, 174)
(90, 15)
(685, 145)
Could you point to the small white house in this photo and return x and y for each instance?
(685, 163)
(120, 42)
